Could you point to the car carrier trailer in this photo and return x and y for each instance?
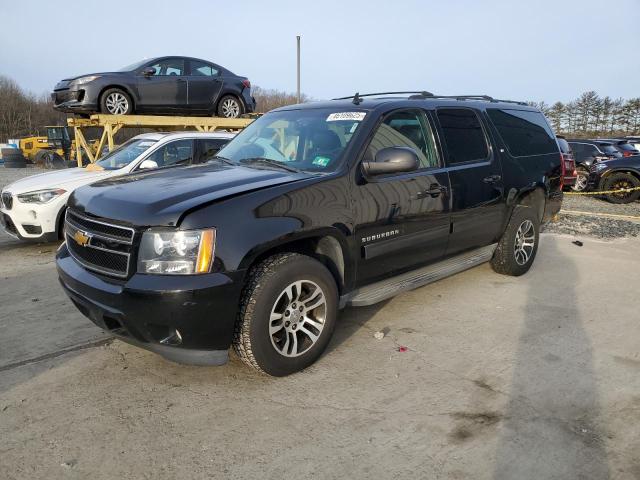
(111, 124)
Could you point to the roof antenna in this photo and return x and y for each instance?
(356, 99)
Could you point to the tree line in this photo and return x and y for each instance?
(593, 116)
(23, 113)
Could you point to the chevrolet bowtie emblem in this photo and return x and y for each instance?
(81, 238)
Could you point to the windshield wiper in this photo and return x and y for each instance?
(222, 159)
(272, 163)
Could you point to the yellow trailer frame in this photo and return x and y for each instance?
(111, 124)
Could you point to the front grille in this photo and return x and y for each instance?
(7, 200)
(108, 230)
(99, 246)
(62, 96)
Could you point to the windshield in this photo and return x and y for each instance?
(134, 66)
(125, 154)
(306, 139)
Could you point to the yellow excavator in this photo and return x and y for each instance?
(55, 150)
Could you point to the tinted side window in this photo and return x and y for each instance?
(525, 133)
(169, 66)
(173, 153)
(463, 135)
(201, 69)
(408, 128)
(210, 147)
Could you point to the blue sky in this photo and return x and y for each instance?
(533, 50)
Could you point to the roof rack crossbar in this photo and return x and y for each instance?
(358, 95)
(357, 98)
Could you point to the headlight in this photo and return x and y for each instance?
(41, 196)
(600, 166)
(87, 79)
(177, 252)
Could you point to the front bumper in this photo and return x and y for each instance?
(184, 319)
(37, 222)
(75, 99)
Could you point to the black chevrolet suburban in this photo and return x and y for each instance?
(310, 209)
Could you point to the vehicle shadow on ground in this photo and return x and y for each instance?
(350, 321)
(551, 424)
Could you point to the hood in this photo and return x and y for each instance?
(67, 179)
(65, 81)
(162, 197)
(91, 74)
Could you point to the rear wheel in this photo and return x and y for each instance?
(518, 246)
(230, 107)
(287, 314)
(115, 101)
(622, 181)
(581, 180)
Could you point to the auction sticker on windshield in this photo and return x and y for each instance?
(357, 116)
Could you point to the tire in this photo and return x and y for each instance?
(52, 161)
(116, 101)
(509, 257)
(14, 161)
(581, 179)
(229, 107)
(265, 295)
(616, 181)
(40, 157)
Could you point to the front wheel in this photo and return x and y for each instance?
(116, 102)
(287, 314)
(518, 246)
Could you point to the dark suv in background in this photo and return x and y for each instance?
(163, 85)
(311, 208)
(588, 152)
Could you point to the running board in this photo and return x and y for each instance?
(382, 290)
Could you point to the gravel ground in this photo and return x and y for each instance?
(595, 225)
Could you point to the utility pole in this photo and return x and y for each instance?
(298, 64)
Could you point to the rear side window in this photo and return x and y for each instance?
(201, 69)
(463, 135)
(607, 148)
(525, 133)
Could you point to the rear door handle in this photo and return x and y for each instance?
(492, 179)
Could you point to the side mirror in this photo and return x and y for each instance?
(147, 72)
(392, 160)
(147, 165)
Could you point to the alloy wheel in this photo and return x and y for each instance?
(525, 242)
(581, 181)
(621, 185)
(230, 108)
(297, 318)
(117, 103)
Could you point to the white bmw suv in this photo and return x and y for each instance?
(33, 208)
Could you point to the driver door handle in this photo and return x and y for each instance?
(434, 191)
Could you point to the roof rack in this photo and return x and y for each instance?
(420, 95)
(357, 98)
